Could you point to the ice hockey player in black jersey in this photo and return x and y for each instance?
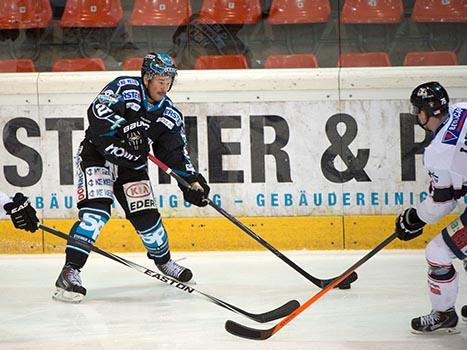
(445, 159)
(130, 116)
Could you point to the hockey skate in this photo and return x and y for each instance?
(464, 313)
(436, 322)
(174, 270)
(69, 286)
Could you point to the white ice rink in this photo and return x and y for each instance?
(125, 309)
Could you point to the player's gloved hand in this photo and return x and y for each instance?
(409, 225)
(198, 193)
(129, 148)
(22, 213)
(136, 142)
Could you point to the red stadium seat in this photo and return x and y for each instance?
(18, 65)
(372, 11)
(230, 11)
(440, 11)
(160, 13)
(307, 60)
(26, 14)
(132, 63)
(301, 11)
(92, 13)
(430, 58)
(78, 64)
(368, 59)
(221, 62)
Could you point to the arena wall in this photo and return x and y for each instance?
(307, 158)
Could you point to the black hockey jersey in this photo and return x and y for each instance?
(123, 103)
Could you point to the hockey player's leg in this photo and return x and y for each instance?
(155, 240)
(84, 232)
(95, 196)
(137, 199)
(443, 289)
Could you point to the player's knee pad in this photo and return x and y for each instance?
(85, 231)
(438, 253)
(153, 236)
(441, 273)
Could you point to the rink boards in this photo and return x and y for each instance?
(213, 234)
(307, 158)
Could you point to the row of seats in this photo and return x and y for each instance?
(26, 14)
(370, 59)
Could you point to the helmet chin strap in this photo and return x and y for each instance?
(423, 126)
(441, 120)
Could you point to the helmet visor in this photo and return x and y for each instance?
(414, 110)
(163, 71)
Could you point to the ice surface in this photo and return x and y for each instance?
(125, 309)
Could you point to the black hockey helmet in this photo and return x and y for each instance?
(430, 97)
(158, 63)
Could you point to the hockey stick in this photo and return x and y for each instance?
(316, 281)
(280, 312)
(263, 334)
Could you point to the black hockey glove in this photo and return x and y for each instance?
(129, 148)
(198, 192)
(22, 213)
(409, 225)
(135, 142)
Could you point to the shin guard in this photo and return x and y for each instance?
(84, 232)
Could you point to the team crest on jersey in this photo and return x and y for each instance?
(455, 127)
(108, 97)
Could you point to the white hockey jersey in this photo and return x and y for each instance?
(445, 159)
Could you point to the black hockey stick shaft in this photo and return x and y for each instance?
(316, 281)
(263, 334)
(277, 313)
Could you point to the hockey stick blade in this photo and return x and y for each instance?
(316, 281)
(239, 330)
(345, 284)
(275, 314)
(247, 332)
(272, 315)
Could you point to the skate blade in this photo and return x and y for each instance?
(438, 331)
(67, 297)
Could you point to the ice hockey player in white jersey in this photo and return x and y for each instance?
(20, 210)
(445, 159)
